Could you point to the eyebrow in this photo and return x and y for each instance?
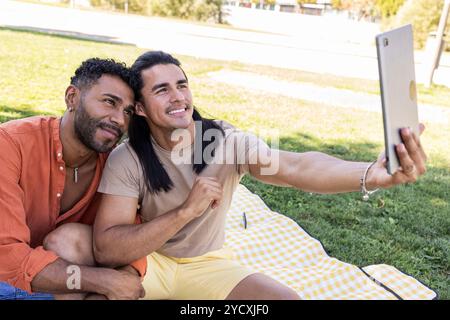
(165, 84)
(112, 96)
(116, 98)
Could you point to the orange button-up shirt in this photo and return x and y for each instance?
(31, 186)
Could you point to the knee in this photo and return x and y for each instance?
(286, 294)
(72, 242)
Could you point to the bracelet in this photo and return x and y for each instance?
(366, 193)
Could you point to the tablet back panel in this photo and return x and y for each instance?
(398, 88)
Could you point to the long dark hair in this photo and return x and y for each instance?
(139, 132)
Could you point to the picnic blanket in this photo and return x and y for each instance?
(277, 246)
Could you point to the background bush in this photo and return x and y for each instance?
(201, 10)
(424, 16)
(389, 8)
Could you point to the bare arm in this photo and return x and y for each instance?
(313, 172)
(118, 241)
(57, 278)
(320, 173)
(61, 277)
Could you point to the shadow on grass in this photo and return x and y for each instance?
(301, 142)
(8, 113)
(431, 192)
(66, 34)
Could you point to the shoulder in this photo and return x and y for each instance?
(232, 133)
(28, 125)
(228, 129)
(123, 156)
(226, 126)
(29, 133)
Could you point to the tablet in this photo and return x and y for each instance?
(395, 52)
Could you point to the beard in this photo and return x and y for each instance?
(86, 127)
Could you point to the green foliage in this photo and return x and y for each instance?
(134, 6)
(337, 4)
(264, 2)
(424, 16)
(353, 4)
(300, 2)
(200, 10)
(389, 8)
(359, 8)
(172, 8)
(384, 7)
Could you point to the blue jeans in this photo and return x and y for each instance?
(8, 292)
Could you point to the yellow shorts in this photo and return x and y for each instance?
(209, 277)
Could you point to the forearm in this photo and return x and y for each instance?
(327, 174)
(59, 278)
(122, 244)
(320, 173)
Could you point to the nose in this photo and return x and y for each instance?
(118, 117)
(177, 95)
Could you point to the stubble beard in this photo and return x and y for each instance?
(86, 127)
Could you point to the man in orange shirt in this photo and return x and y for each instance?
(50, 169)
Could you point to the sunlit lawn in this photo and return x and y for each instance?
(407, 227)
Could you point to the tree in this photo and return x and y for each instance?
(389, 8)
(186, 9)
(374, 8)
(301, 2)
(359, 8)
(135, 6)
(424, 16)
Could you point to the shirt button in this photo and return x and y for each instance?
(59, 154)
(61, 168)
(58, 195)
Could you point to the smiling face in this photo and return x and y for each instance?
(167, 100)
(103, 113)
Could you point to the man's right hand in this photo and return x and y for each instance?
(205, 192)
(123, 285)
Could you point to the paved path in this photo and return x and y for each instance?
(301, 50)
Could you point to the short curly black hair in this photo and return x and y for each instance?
(92, 69)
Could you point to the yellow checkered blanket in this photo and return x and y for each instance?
(278, 247)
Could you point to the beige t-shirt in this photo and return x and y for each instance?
(123, 176)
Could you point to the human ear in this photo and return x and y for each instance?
(140, 110)
(72, 97)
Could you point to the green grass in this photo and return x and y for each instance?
(407, 227)
(435, 95)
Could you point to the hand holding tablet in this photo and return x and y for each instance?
(404, 157)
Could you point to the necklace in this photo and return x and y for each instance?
(75, 169)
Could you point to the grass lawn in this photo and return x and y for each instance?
(407, 227)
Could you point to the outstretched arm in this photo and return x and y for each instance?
(321, 173)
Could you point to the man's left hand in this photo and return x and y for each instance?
(412, 163)
(129, 269)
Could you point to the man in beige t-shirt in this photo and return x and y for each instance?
(178, 171)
